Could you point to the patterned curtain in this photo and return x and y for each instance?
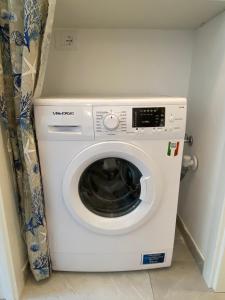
(25, 27)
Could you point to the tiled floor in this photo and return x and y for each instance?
(182, 281)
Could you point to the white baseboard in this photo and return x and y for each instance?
(193, 247)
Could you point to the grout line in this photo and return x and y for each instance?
(150, 282)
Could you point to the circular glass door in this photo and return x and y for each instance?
(110, 187)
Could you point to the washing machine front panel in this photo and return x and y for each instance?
(134, 143)
(112, 187)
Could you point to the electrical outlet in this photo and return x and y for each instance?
(65, 39)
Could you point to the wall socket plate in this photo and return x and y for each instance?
(65, 39)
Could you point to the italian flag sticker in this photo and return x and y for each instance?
(173, 149)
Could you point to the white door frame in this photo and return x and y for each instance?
(219, 276)
(9, 289)
(214, 266)
(12, 267)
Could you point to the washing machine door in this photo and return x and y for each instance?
(112, 187)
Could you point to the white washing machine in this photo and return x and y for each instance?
(111, 174)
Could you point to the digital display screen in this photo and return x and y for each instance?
(148, 117)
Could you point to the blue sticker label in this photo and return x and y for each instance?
(155, 258)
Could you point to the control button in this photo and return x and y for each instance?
(111, 122)
(171, 118)
(140, 131)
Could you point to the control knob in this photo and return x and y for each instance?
(111, 122)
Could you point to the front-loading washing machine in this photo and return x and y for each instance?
(111, 172)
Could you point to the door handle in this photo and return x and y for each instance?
(75, 129)
(145, 189)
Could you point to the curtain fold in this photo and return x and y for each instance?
(25, 29)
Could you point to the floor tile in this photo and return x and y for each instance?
(181, 252)
(181, 295)
(183, 276)
(182, 281)
(91, 286)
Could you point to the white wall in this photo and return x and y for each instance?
(122, 61)
(12, 251)
(202, 194)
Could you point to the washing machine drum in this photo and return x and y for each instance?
(110, 187)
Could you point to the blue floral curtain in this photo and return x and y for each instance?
(25, 27)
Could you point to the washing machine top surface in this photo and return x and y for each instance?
(107, 100)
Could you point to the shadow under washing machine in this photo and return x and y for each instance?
(111, 174)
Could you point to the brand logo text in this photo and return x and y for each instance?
(63, 113)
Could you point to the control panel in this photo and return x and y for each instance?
(148, 117)
(139, 120)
